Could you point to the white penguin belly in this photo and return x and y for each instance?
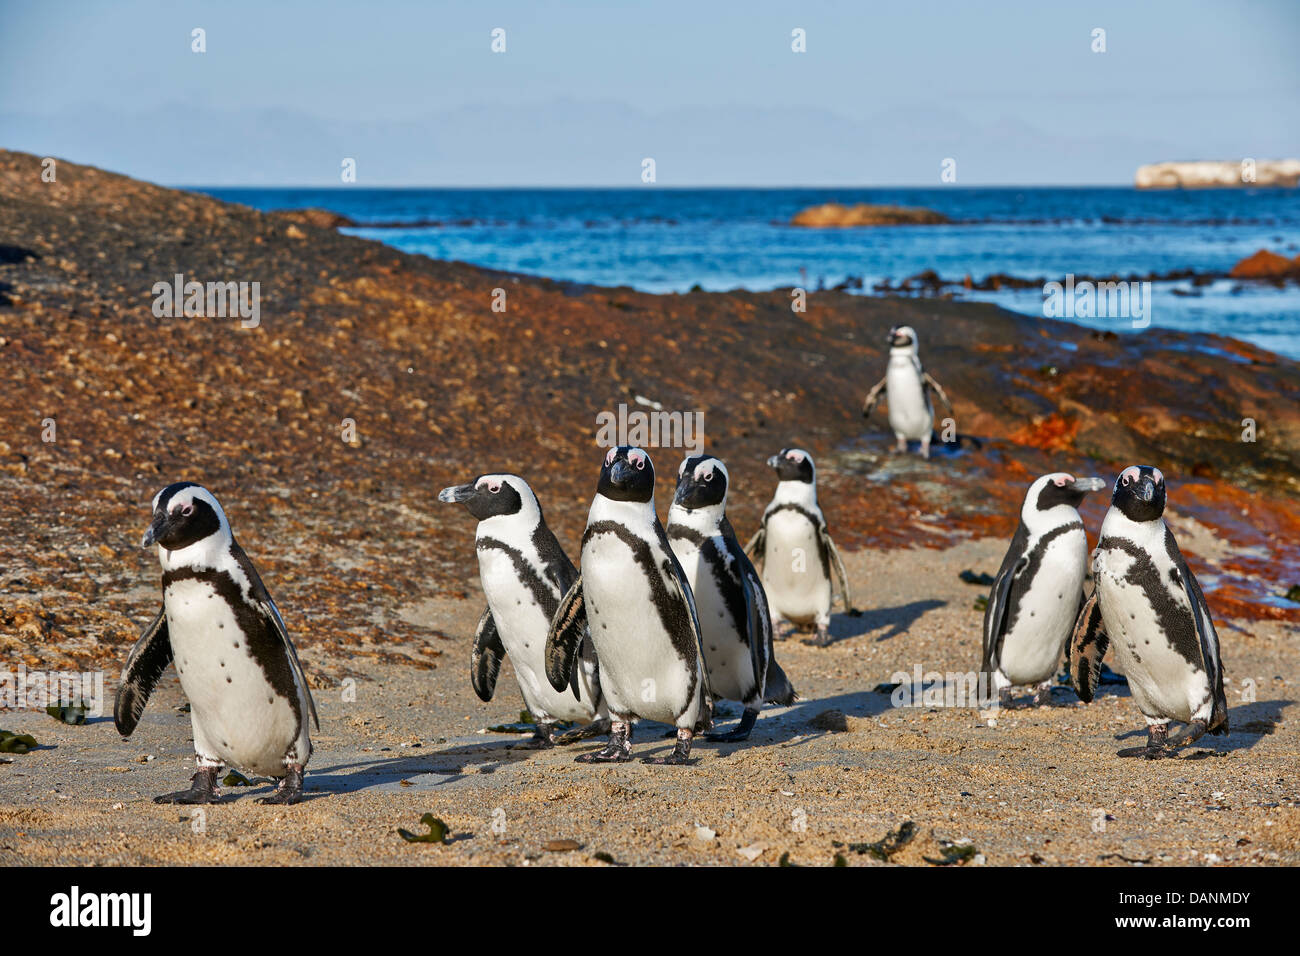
(909, 412)
(234, 709)
(522, 624)
(797, 588)
(1162, 682)
(726, 659)
(641, 673)
(1032, 649)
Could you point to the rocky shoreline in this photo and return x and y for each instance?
(439, 386)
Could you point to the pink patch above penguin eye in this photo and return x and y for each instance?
(494, 486)
(1160, 478)
(638, 461)
(794, 456)
(609, 457)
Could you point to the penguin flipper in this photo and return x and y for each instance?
(144, 665)
(755, 548)
(1088, 645)
(873, 397)
(485, 658)
(928, 379)
(1209, 637)
(266, 605)
(759, 632)
(995, 613)
(840, 573)
(565, 636)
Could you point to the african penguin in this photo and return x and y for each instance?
(249, 700)
(907, 387)
(796, 550)
(637, 603)
(734, 620)
(1148, 605)
(1039, 588)
(525, 573)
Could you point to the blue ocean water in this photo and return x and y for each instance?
(671, 240)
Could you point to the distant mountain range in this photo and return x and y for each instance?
(584, 143)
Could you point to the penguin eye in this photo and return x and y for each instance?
(494, 486)
(640, 463)
(187, 510)
(708, 476)
(1123, 480)
(609, 458)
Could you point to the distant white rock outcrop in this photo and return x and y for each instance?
(1205, 174)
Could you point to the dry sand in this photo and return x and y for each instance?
(1043, 786)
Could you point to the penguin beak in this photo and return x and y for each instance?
(1146, 490)
(621, 471)
(155, 530)
(774, 461)
(456, 494)
(1085, 485)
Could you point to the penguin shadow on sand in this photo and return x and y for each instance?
(893, 621)
(1249, 723)
(446, 765)
(812, 718)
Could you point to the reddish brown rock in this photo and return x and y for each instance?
(1266, 265)
(833, 215)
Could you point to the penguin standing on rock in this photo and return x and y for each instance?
(729, 598)
(796, 549)
(633, 597)
(525, 573)
(249, 700)
(1039, 588)
(1148, 605)
(907, 386)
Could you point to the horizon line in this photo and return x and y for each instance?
(646, 187)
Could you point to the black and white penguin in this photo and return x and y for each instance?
(249, 700)
(734, 619)
(1147, 604)
(907, 387)
(1039, 588)
(796, 550)
(634, 598)
(525, 573)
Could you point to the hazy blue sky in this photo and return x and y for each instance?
(710, 90)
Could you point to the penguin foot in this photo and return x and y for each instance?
(740, 732)
(203, 787)
(289, 790)
(1192, 732)
(1157, 747)
(1149, 752)
(821, 639)
(618, 750)
(613, 753)
(681, 754)
(597, 728)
